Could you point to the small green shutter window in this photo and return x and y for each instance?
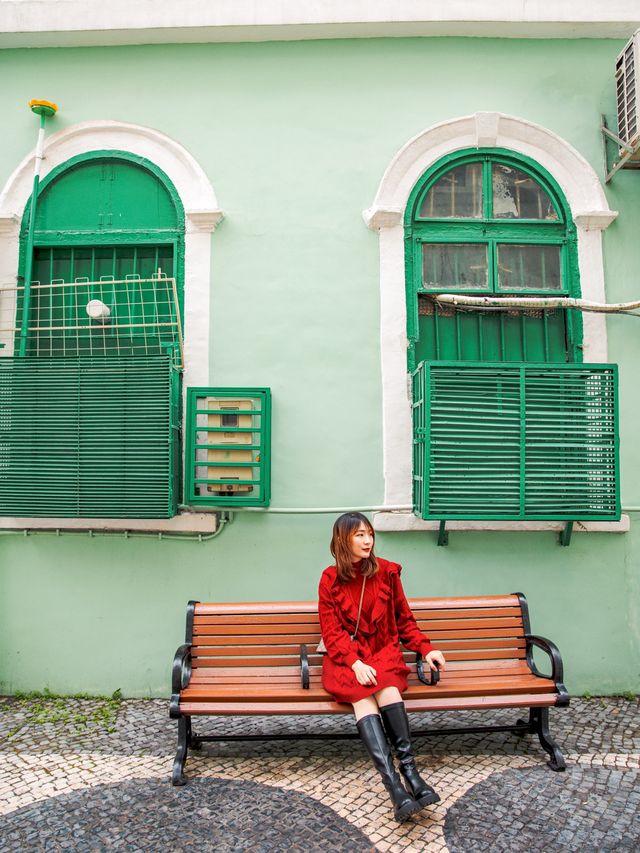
(519, 442)
(228, 447)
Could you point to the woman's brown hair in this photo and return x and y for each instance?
(343, 530)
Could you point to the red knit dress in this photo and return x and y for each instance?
(386, 620)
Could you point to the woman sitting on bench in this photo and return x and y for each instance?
(363, 617)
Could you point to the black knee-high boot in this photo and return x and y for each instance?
(396, 725)
(373, 737)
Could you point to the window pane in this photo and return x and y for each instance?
(518, 196)
(528, 267)
(454, 265)
(458, 194)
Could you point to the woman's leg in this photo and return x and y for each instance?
(388, 696)
(373, 737)
(364, 707)
(396, 725)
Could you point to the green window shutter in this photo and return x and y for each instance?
(89, 437)
(524, 441)
(228, 446)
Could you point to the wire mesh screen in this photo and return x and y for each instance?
(125, 317)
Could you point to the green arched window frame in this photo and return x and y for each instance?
(133, 398)
(109, 236)
(489, 230)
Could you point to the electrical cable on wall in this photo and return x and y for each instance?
(504, 303)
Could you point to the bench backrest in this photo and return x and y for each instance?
(269, 634)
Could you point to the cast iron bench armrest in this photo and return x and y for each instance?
(180, 676)
(557, 667)
(304, 666)
(434, 674)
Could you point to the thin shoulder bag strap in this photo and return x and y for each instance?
(353, 636)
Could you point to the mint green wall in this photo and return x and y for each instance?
(295, 138)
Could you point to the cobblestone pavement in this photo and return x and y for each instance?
(74, 787)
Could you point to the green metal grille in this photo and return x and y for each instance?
(228, 446)
(89, 437)
(526, 441)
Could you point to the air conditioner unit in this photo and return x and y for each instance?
(628, 95)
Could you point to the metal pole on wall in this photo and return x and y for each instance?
(44, 109)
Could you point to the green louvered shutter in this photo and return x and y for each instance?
(420, 404)
(89, 437)
(523, 441)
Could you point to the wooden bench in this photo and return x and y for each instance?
(260, 658)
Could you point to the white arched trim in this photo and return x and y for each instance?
(192, 185)
(591, 215)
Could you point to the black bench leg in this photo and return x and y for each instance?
(540, 718)
(184, 731)
(193, 742)
(530, 723)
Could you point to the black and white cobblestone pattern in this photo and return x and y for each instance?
(497, 784)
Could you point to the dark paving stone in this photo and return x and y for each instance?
(586, 809)
(220, 815)
(144, 728)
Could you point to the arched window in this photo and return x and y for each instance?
(107, 225)
(507, 423)
(489, 222)
(92, 394)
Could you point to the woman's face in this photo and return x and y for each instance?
(361, 542)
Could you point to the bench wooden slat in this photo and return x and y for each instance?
(256, 618)
(304, 628)
(267, 629)
(292, 679)
(239, 675)
(265, 607)
(485, 643)
(431, 625)
(464, 601)
(264, 656)
(254, 607)
(482, 684)
(413, 705)
(467, 613)
(201, 620)
(257, 637)
(285, 660)
(449, 647)
(467, 631)
(227, 651)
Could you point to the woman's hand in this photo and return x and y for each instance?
(364, 673)
(434, 657)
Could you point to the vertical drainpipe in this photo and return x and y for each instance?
(44, 109)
